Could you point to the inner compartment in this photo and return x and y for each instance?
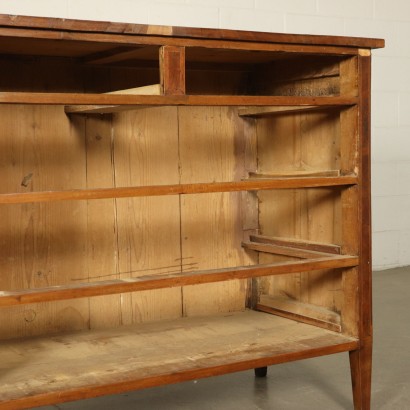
(72, 242)
(44, 65)
(245, 72)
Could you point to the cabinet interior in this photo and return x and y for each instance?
(70, 242)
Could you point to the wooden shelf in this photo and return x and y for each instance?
(160, 100)
(149, 282)
(101, 362)
(177, 189)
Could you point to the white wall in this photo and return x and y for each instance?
(389, 19)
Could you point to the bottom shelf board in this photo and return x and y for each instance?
(45, 370)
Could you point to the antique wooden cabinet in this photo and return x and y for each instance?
(179, 203)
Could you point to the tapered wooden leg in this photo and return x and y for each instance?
(361, 370)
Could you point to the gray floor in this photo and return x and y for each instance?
(321, 383)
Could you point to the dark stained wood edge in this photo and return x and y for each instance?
(159, 100)
(172, 70)
(156, 41)
(198, 373)
(149, 282)
(177, 189)
(361, 359)
(46, 23)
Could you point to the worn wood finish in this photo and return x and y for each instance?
(361, 360)
(152, 100)
(138, 29)
(283, 250)
(297, 243)
(34, 236)
(210, 138)
(166, 280)
(101, 218)
(301, 312)
(178, 189)
(309, 215)
(146, 152)
(130, 358)
(154, 89)
(91, 42)
(172, 70)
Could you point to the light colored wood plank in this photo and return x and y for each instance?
(154, 89)
(301, 312)
(146, 152)
(41, 149)
(102, 253)
(211, 225)
(101, 362)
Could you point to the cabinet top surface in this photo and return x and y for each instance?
(86, 26)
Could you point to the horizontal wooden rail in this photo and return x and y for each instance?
(149, 282)
(159, 100)
(159, 190)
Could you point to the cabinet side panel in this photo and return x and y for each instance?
(212, 149)
(42, 244)
(308, 142)
(146, 153)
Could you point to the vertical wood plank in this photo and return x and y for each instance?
(350, 196)
(42, 151)
(172, 70)
(102, 252)
(211, 224)
(146, 153)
